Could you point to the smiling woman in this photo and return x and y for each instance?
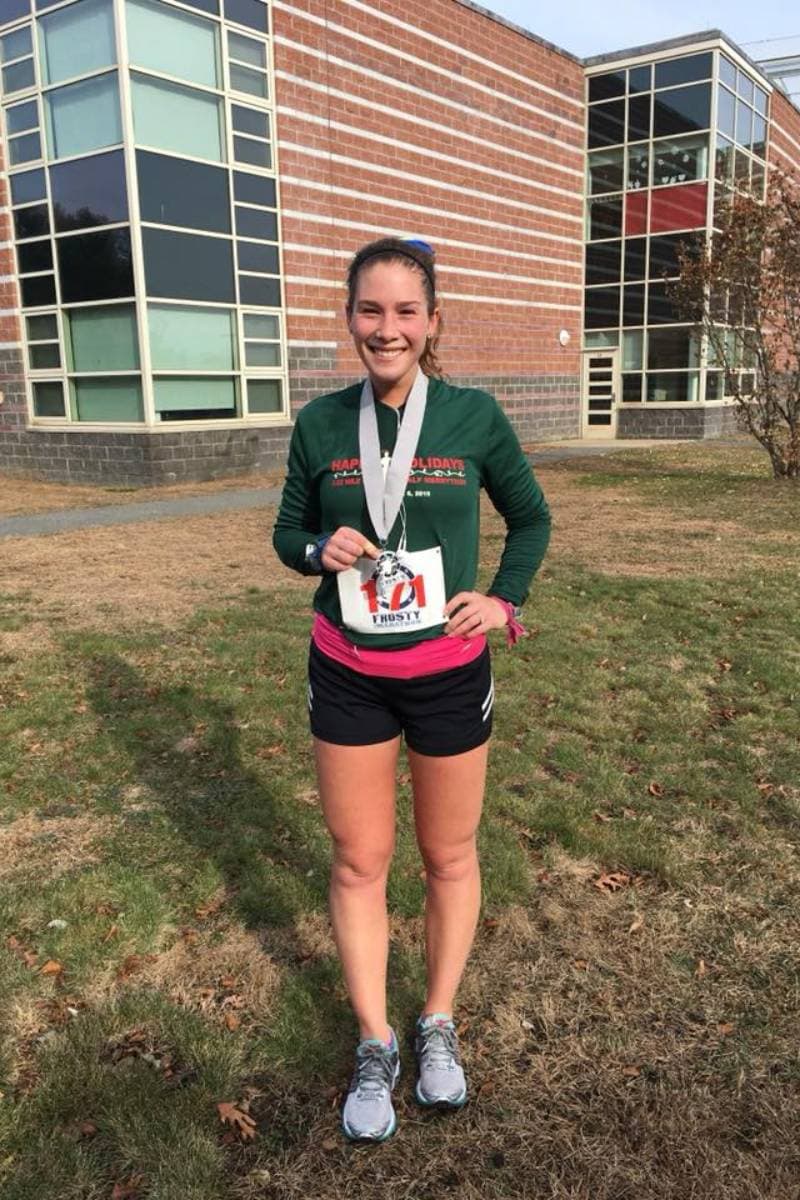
(381, 499)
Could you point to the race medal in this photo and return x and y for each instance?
(411, 597)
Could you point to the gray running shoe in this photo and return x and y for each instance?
(441, 1079)
(368, 1114)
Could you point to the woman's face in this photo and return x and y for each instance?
(390, 324)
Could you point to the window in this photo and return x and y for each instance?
(744, 123)
(639, 108)
(27, 186)
(252, 153)
(607, 124)
(759, 138)
(672, 387)
(18, 76)
(681, 207)
(680, 161)
(35, 256)
(727, 71)
(187, 266)
(253, 121)
(38, 290)
(660, 308)
(635, 258)
(170, 117)
(726, 113)
(24, 149)
(107, 400)
(256, 256)
(632, 346)
(171, 42)
(22, 117)
(173, 191)
(190, 338)
(664, 255)
(605, 168)
(606, 87)
(667, 348)
(745, 86)
(604, 218)
(683, 70)
(194, 398)
(95, 266)
(723, 161)
(602, 307)
(252, 13)
(640, 79)
(102, 338)
(31, 222)
(76, 40)
(248, 65)
(89, 191)
(253, 189)
(603, 262)
(42, 328)
(264, 396)
(44, 357)
(83, 116)
(633, 304)
(48, 400)
(599, 341)
(636, 212)
(254, 223)
(266, 292)
(682, 110)
(16, 44)
(632, 389)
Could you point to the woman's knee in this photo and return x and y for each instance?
(355, 867)
(450, 864)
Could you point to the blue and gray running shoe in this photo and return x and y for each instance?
(368, 1114)
(441, 1081)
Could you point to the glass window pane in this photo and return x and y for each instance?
(14, 9)
(190, 339)
(680, 207)
(38, 290)
(253, 189)
(635, 258)
(42, 327)
(660, 308)
(247, 50)
(83, 116)
(631, 389)
(683, 70)
(607, 123)
(250, 120)
(744, 86)
(254, 223)
(209, 6)
(24, 149)
(195, 397)
(607, 86)
(89, 191)
(633, 304)
(604, 218)
(713, 385)
(18, 76)
(253, 290)
(16, 44)
(758, 180)
(601, 307)
(262, 354)
(601, 340)
(605, 170)
(35, 256)
(726, 112)
(603, 262)
(172, 42)
(727, 71)
(256, 154)
(45, 357)
(638, 167)
(254, 83)
(761, 100)
(261, 325)
(664, 255)
(27, 186)
(636, 212)
(102, 339)
(264, 396)
(187, 266)
(108, 399)
(76, 40)
(640, 79)
(669, 387)
(632, 351)
(252, 13)
(682, 110)
(680, 161)
(48, 400)
(759, 139)
(31, 222)
(171, 117)
(95, 266)
(254, 256)
(723, 165)
(173, 191)
(639, 108)
(672, 348)
(744, 123)
(22, 117)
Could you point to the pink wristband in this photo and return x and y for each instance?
(514, 628)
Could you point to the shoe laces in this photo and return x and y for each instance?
(439, 1045)
(374, 1071)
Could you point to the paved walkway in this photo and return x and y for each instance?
(64, 520)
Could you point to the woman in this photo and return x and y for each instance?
(381, 498)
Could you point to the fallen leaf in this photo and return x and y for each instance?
(701, 969)
(724, 1028)
(655, 789)
(580, 964)
(129, 1189)
(112, 932)
(604, 818)
(487, 1087)
(631, 1072)
(613, 881)
(329, 1144)
(51, 967)
(232, 1021)
(490, 923)
(636, 924)
(724, 664)
(241, 1121)
(629, 814)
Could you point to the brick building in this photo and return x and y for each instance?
(186, 180)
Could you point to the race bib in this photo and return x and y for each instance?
(415, 599)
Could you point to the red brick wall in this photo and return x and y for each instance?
(502, 173)
(9, 293)
(784, 133)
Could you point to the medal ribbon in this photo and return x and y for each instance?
(384, 497)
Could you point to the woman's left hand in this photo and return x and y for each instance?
(476, 614)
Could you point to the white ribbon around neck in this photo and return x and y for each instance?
(384, 494)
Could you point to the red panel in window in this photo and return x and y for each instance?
(680, 207)
(636, 213)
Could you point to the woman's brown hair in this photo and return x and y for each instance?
(411, 254)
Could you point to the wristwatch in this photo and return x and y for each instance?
(313, 555)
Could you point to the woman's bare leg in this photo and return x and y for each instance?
(357, 791)
(448, 797)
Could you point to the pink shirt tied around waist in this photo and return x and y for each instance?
(426, 658)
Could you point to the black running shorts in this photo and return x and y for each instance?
(449, 712)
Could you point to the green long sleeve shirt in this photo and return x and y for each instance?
(466, 443)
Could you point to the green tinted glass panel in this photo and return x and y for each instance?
(76, 40)
(22, 117)
(169, 117)
(186, 395)
(264, 396)
(632, 351)
(83, 116)
(42, 327)
(24, 149)
(257, 325)
(262, 354)
(247, 50)
(245, 80)
(190, 339)
(43, 357)
(48, 400)
(171, 42)
(103, 338)
(17, 44)
(18, 76)
(107, 400)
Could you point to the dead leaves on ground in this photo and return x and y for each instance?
(237, 1115)
(139, 1044)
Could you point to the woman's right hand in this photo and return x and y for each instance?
(343, 548)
